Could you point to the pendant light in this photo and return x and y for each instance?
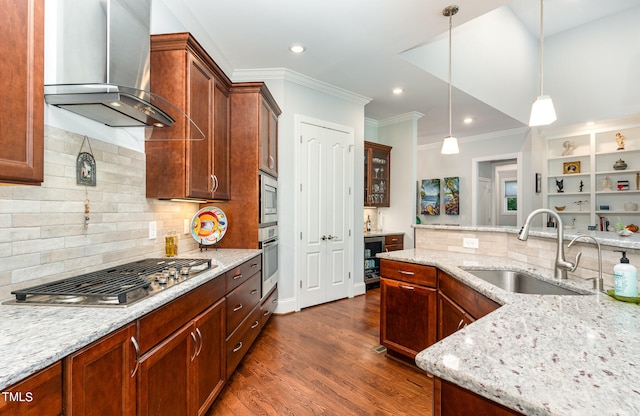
(450, 143)
(542, 111)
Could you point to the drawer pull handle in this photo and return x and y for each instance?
(254, 265)
(238, 276)
(254, 291)
(394, 240)
(195, 345)
(274, 301)
(406, 287)
(406, 272)
(201, 341)
(461, 324)
(255, 324)
(237, 308)
(137, 348)
(265, 313)
(238, 347)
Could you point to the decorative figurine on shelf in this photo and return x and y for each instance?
(579, 203)
(606, 184)
(560, 185)
(569, 147)
(581, 185)
(620, 140)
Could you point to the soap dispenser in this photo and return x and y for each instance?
(625, 278)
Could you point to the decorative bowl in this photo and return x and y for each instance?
(560, 208)
(624, 233)
(630, 206)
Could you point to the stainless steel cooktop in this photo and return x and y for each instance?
(117, 286)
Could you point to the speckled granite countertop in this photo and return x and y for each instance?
(540, 355)
(381, 233)
(34, 337)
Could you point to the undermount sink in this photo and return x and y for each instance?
(519, 282)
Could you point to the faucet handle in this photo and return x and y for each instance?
(567, 265)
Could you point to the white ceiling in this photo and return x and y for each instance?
(356, 45)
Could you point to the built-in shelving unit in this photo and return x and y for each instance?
(577, 179)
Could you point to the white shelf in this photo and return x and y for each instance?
(619, 212)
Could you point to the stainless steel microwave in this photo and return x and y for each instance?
(268, 200)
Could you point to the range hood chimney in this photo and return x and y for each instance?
(102, 63)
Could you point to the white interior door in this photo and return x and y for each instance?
(324, 198)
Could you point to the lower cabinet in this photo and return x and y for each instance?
(37, 395)
(452, 400)
(100, 378)
(184, 373)
(407, 307)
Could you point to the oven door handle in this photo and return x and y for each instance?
(269, 243)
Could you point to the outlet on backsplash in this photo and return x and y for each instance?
(470, 242)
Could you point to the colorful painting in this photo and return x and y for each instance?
(451, 190)
(429, 197)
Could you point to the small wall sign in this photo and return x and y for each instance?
(86, 166)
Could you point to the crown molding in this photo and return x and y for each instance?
(247, 75)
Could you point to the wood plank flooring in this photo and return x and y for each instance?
(321, 361)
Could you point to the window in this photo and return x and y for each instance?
(510, 196)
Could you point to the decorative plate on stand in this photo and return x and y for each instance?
(209, 225)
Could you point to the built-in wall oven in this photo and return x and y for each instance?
(268, 200)
(268, 240)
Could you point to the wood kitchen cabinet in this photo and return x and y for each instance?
(452, 400)
(180, 164)
(37, 395)
(394, 242)
(100, 378)
(408, 307)
(185, 373)
(22, 86)
(377, 175)
(253, 130)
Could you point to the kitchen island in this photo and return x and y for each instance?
(538, 354)
(34, 337)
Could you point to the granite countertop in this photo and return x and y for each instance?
(539, 354)
(381, 233)
(34, 337)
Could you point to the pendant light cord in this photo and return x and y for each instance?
(450, 26)
(541, 41)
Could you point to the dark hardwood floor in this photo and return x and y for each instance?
(321, 361)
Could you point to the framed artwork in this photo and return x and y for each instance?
(538, 183)
(451, 191)
(571, 167)
(429, 197)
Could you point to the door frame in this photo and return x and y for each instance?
(475, 168)
(299, 119)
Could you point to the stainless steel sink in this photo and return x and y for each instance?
(519, 282)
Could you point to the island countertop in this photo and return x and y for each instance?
(34, 337)
(539, 354)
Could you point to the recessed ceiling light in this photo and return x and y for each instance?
(398, 91)
(468, 120)
(297, 48)
(591, 123)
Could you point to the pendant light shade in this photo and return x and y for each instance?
(543, 112)
(450, 143)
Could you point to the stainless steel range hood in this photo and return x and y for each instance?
(102, 63)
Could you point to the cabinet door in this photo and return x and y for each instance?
(22, 86)
(200, 109)
(165, 376)
(222, 185)
(407, 317)
(268, 139)
(451, 317)
(377, 176)
(38, 395)
(452, 400)
(210, 356)
(100, 379)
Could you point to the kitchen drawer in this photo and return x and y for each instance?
(268, 306)
(394, 239)
(240, 341)
(474, 303)
(408, 272)
(159, 324)
(235, 277)
(37, 395)
(393, 247)
(241, 301)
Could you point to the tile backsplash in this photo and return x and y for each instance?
(42, 232)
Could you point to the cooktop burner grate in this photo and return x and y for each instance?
(115, 282)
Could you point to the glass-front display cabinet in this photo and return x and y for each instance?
(377, 175)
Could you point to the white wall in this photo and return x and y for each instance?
(432, 164)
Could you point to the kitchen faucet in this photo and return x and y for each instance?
(597, 282)
(561, 265)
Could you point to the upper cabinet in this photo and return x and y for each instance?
(22, 86)
(593, 177)
(377, 176)
(268, 138)
(180, 163)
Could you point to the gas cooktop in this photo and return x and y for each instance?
(117, 286)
